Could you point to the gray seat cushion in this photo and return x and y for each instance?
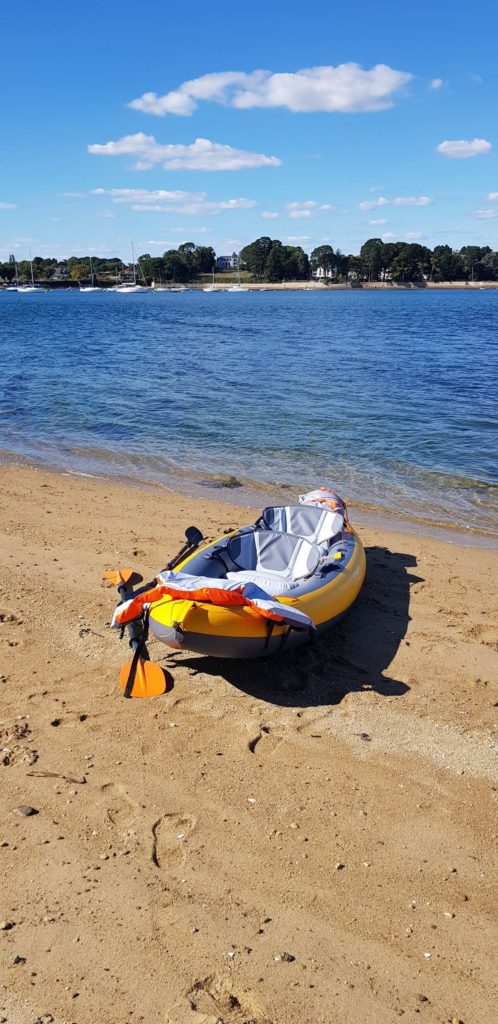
(317, 525)
(277, 554)
(272, 583)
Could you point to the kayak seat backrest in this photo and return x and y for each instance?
(276, 554)
(317, 525)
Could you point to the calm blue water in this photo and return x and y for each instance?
(389, 396)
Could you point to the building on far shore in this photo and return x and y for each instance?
(324, 273)
(227, 262)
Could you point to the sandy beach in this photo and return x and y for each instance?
(307, 839)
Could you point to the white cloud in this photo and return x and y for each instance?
(130, 195)
(492, 196)
(485, 214)
(164, 201)
(413, 235)
(386, 237)
(154, 242)
(399, 201)
(269, 215)
(197, 230)
(411, 201)
(345, 88)
(436, 83)
(379, 220)
(201, 155)
(297, 238)
(8, 206)
(310, 208)
(460, 149)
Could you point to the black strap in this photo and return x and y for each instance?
(220, 554)
(270, 626)
(298, 629)
(137, 655)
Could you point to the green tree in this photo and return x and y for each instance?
(78, 271)
(470, 256)
(177, 266)
(402, 264)
(489, 265)
(323, 257)
(204, 259)
(371, 253)
(275, 263)
(151, 268)
(445, 265)
(302, 266)
(255, 255)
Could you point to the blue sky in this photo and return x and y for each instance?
(335, 141)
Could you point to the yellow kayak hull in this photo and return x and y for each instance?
(240, 632)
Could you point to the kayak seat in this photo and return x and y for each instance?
(271, 583)
(317, 525)
(278, 556)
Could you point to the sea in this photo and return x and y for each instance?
(389, 397)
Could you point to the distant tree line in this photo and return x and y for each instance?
(176, 265)
(269, 260)
(410, 261)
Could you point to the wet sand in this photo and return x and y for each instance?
(299, 840)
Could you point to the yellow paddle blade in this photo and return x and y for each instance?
(150, 679)
(118, 576)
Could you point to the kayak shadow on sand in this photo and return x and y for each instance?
(353, 656)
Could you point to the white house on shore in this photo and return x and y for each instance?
(227, 262)
(324, 273)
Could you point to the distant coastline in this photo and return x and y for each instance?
(384, 286)
(306, 286)
(265, 264)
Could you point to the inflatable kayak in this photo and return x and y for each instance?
(261, 589)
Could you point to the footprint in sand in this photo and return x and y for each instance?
(11, 750)
(213, 1001)
(170, 833)
(485, 635)
(264, 743)
(119, 808)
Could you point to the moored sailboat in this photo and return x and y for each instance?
(25, 288)
(132, 287)
(91, 287)
(237, 287)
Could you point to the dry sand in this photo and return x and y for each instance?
(307, 839)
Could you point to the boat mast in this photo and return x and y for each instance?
(133, 262)
(31, 265)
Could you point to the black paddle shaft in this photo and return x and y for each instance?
(135, 627)
(194, 538)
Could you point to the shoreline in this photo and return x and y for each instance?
(307, 286)
(299, 838)
(366, 286)
(254, 495)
